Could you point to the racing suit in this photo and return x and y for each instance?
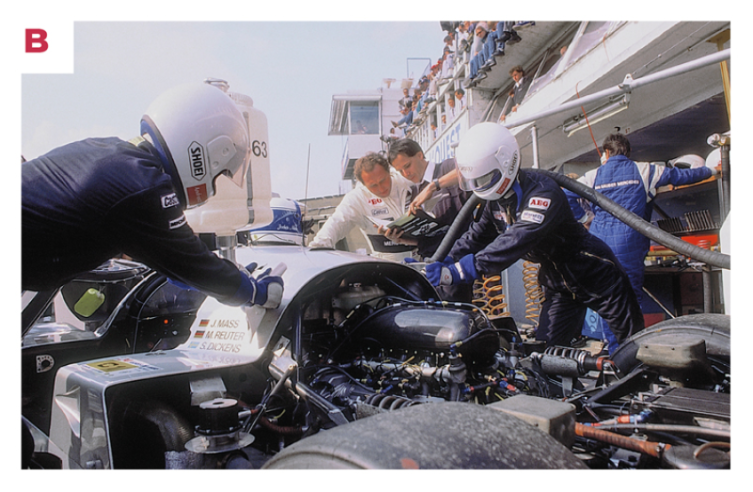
(577, 269)
(92, 200)
(358, 207)
(632, 186)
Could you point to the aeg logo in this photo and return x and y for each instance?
(196, 157)
(539, 202)
(374, 201)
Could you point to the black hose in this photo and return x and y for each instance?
(455, 229)
(646, 228)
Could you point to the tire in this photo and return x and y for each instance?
(713, 328)
(448, 435)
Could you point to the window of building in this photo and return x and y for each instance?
(364, 118)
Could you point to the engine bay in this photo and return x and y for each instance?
(365, 340)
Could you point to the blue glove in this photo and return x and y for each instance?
(267, 289)
(410, 259)
(448, 273)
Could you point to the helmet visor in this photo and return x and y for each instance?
(481, 183)
(238, 176)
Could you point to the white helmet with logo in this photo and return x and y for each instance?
(199, 133)
(488, 159)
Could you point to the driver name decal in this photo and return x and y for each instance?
(218, 335)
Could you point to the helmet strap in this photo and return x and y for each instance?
(516, 190)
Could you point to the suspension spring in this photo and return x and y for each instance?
(569, 353)
(389, 402)
(586, 361)
(534, 292)
(488, 295)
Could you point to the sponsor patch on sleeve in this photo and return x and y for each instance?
(175, 223)
(538, 202)
(170, 200)
(530, 216)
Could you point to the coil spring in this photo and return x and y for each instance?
(577, 355)
(389, 402)
(534, 292)
(488, 295)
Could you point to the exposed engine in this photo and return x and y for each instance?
(357, 344)
(388, 353)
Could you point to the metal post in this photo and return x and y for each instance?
(725, 179)
(628, 85)
(535, 146)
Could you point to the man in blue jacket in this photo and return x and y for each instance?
(632, 186)
(89, 201)
(527, 216)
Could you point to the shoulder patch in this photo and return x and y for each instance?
(538, 202)
(170, 200)
(175, 223)
(529, 216)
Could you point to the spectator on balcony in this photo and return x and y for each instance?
(448, 64)
(481, 32)
(460, 96)
(463, 43)
(518, 92)
(406, 100)
(407, 118)
(449, 41)
(451, 107)
(504, 33)
(431, 91)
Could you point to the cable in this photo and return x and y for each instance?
(647, 229)
(655, 449)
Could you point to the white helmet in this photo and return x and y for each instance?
(714, 159)
(488, 159)
(286, 226)
(691, 161)
(199, 133)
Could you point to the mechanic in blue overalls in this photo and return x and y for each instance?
(92, 200)
(527, 216)
(632, 185)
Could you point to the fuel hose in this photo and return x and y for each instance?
(649, 230)
(455, 229)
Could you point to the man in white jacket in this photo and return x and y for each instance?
(380, 195)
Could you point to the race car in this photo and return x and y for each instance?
(361, 366)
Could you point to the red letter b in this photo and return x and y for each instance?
(36, 41)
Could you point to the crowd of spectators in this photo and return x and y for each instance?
(473, 43)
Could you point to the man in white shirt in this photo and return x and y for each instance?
(460, 96)
(380, 195)
(451, 107)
